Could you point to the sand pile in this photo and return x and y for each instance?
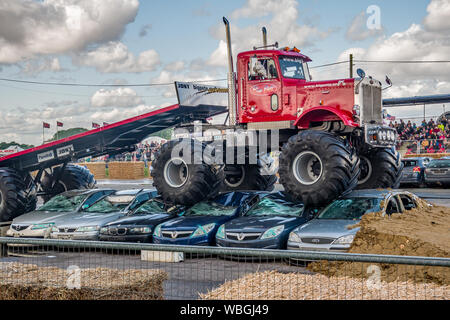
(424, 231)
(295, 286)
(25, 281)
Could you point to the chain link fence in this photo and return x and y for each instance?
(50, 269)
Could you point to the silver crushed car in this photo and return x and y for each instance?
(87, 224)
(329, 231)
(38, 223)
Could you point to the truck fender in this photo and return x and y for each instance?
(324, 113)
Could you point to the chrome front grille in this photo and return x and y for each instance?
(372, 105)
(243, 236)
(317, 240)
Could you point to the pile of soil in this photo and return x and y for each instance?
(30, 282)
(273, 285)
(424, 231)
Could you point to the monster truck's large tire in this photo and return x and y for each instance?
(73, 178)
(17, 194)
(247, 177)
(317, 167)
(180, 179)
(380, 168)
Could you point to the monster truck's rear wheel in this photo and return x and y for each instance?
(317, 167)
(380, 168)
(74, 177)
(181, 175)
(17, 194)
(247, 177)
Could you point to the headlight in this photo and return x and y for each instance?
(141, 230)
(42, 226)
(294, 237)
(55, 229)
(392, 135)
(345, 240)
(273, 232)
(104, 230)
(383, 135)
(157, 232)
(221, 232)
(88, 229)
(203, 230)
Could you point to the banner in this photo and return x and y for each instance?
(194, 94)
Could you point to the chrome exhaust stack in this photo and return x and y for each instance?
(231, 77)
(264, 32)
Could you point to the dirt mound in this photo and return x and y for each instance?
(30, 282)
(295, 286)
(424, 231)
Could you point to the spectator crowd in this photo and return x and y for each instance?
(428, 137)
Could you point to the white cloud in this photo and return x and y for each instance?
(31, 28)
(116, 114)
(35, 66)
(358, 30)
(282, 27)
(114, 57)
(438, 18)
(120, 97)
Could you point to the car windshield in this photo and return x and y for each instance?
(110, 204)
(62, 202)
(276, 207)
(439, 164)
(350, 209)
(292, 68)
(151, 206)
(210, 208)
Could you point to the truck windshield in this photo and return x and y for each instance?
(350, 209)
(62, 203)
(292, 68)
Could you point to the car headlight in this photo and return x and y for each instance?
(55, 229)
(157, 232)
(42, 226)
(203, 230)
(294, 237)
(345, 239)
(88, 229)
(142, 230)
(104, 230)
(383, 135)
(221, 232)
(273, 232)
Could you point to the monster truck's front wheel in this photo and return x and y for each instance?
(17, 194)
(247, 177)
(317, 167)
(380, 168)
(181, 175)
(72, 178)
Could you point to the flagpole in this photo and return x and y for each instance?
(43, 140)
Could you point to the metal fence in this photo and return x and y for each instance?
(425, 146)
(55, 269)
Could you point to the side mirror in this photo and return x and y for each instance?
(361, 73)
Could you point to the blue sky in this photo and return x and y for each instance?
(183, 42)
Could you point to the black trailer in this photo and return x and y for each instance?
(19, 189)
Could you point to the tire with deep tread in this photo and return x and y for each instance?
(252, 179)
(203, 180)
(340, 167)
(17, 194)
(387, 168)
(74, 177)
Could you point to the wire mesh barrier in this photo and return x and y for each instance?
(51, 269)
(425, 146)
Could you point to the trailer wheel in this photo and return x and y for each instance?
(380, 168)
(179, 179)
(17, 194)
(317, 167)
(247, 177)
(74, 177)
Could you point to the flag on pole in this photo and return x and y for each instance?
(46, 125)
(95, 125)
(59, 124)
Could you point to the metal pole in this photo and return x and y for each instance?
(264, 32)
(231, 78)
(351, 65)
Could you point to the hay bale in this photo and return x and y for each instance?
(272, 285)
(30, 282)
(126, 170)
(98, 169)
